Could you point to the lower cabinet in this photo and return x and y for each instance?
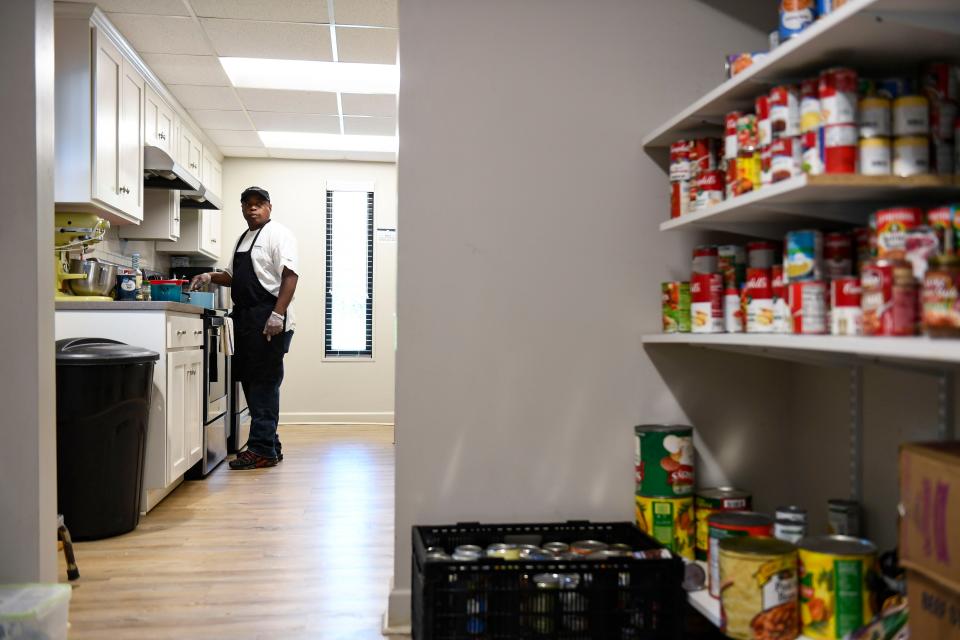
(184, 422)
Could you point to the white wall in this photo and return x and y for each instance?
(28, 479)
(316, 390)
(530, 260)
(119, 250)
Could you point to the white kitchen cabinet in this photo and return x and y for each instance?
(212, 174)
(159, 123)
(161, 217)
(184, 442)
(191, 151)
(200, 234)
(130, 141)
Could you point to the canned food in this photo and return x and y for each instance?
(710, 185)
(758, 294)
(669, 521)
(710, 501)
(764, 130)
(941, 220)
(782, 323)
(733, 320)
(706, 303)
(846, 316)
(838, 96)
(943, 116)
(786, 158)
(911, 116)
(892, 227)
(732, 262)
(835, 577)
(679, 198)
(730, 178)
(941, 297)
(730, 145)
(810, 118)
(784, 111)
(922, 244)
(863, 241)
(731, 524)
(875, 117)
(795, 16)
(747, 133)
(503, 551)
(838, 254)
(748, 172)
(759, 595)
(911, 156)
(761, 254)
(539, 607)
(790, 523)
(704, 155)
(766, 159)
(586, 547)
(843, 517)
(808, 306)
(941, 158)
(840, 148)
(940, 80)
(694, 576)
(706, 259)
(888, 298)
(813, 160)
(556, 548)
(894, 88)
(803, 255)
(876, 157)
(664, 460)
(675, 302)
(680, 160)
(466, 556)
(469, 548)
(825, 7)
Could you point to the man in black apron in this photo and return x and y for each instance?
(261, 332)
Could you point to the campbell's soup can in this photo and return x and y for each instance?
(748, 172)
(680, 160)
(838, 96)
(840, 148)
(731, 524)
(795, 16)
(675, 303)
(911, 156)
(813, 160)
(748, 136)
(838, 254)
(888, 298)
(846, 316)
(810, 117)
(758, 295)
(704, 155)
(941, 220)
(892, 227)
(766, 160)
(733, 321)
(786, 158)
(940, 80)
(706, 303)
(710, 501)
(706, 259)
(784, 111)
(808, 306)
(730, 178)
(911, 116)
(803, 255)
(762, 111)
(761, 254)
(710, 185)
(679, 198)
(782, 323)
(876, 157)
(875, 117)
(730, 145)
(732, 263)
(922, 243)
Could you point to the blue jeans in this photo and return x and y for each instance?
(263, 398)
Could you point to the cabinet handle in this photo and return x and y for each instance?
(124, 190)
(182, 333)
(196, 333)
(161, 136)
(213, 239)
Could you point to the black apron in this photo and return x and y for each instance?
(255, 359)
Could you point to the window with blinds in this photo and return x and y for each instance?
(349, 275)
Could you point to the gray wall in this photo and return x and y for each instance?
(28, 500)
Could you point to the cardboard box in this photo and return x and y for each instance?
(934, 609)
(930, 510)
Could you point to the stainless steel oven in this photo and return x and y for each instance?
(216, 400)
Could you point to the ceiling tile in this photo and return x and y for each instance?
(271, 121)
(181, 69)
(314, 11)
(369, 126)
(152, 7)
(318, 102)
(356, 44)
(244, 152)
(312, 154)
(197, 97)
(217, 119)
(358, 104)
(374, 13)
(156, 34)
(234, 138)
(280, 40)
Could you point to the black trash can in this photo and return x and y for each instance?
(103, 405)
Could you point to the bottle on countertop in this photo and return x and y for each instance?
(135, 264)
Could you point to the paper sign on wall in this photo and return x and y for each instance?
(386, 235)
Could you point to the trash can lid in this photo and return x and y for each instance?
(83, 351)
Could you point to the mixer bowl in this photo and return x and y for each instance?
(99, 280)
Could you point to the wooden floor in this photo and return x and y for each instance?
(301, 550)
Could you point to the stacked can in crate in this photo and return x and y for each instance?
(664, 468)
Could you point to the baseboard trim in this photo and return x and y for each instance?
(396, 621)
(302, 417)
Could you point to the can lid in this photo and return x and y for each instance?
(874, 102)
(911, 141)
(748, 545)
(739, 518)
(663, 428)
(722, 492)
(910, 101)
(875, 142)
(838, 545)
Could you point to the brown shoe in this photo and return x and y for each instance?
(249, 460)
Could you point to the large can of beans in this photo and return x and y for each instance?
(710, 501)
(836, 574)
(669, 521)
(731, 524)
(759, 594)
(664, 460)
(941, 297)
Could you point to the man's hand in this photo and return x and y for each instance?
(200, 280)
(274, 325)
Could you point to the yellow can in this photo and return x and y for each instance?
(669, 521)
(758, 596)
(835, 578)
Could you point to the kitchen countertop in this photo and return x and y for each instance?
(131, 305)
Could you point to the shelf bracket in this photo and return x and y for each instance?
(856, 433)
(945, 405)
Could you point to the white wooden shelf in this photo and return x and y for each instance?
(918, 351)
(848, 199)
(883, 36)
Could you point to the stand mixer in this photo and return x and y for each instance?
(73, 231)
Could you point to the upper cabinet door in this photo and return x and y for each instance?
(159, 126)
(130, 138)
(108, 72)
(191, 152)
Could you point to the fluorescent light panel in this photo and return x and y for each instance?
(327, 141)
(310, 75)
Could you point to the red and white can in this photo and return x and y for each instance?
(706, 259)
(732, 311)
(786, 158)
(730, 146)
(761, 254)
(892, 226)
(764, 130)
(679, 198)
(785, 111)
(709, 189)
(813, 151)
(810, 117)
(706, 303)
(846, 316)
(838, 96)
(940, 80)
(758, 295)
(766, 158)
(729, 178)
(781, 307)
(680, 161)
(808, 306)
(840, 148)
(889, 298)
(864, 245)
(704, 155)
(838, 254)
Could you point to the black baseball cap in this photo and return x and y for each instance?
(255, 190)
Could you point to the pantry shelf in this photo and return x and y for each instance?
(920, 352)
(872, 35)
(838, 198)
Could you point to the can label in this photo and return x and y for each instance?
(706, 303)
(943, 115)
(795, 16)
(875, 118)
(732, 264)
(911, 157)
(759, 595)
(941, 158)
(838, 254)
(733, 321)
(808, 307)
(704, 154)
(709, 189)
(876, 283)
(669, 521)
(782, 323)
(704, 508)
(813, 160)
(940, 301)
(941, 219)
(846, 316)
(838, 96)
(760, 254)
(810, 109)
(940, 81)
(892, 228)
(786, 159)
(748, 137)
(835, 597)
(803, 255)
(911, 116)
(679, 198)
(840, 148)
(714, 536)
(758, 294)
(730, 146)
(675, 298)
(680, 160)
(792, 532)
(664, 462)
(784, 111)
(875, 158)
(764, 129)
(748, 172)
(921, 244)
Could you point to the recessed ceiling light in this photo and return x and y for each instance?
(310, 75)
(327, 141)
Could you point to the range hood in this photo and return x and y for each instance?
(160, 171)
(200, 198)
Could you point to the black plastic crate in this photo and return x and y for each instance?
(492, 598)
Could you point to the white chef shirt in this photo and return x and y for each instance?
(276, 248)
